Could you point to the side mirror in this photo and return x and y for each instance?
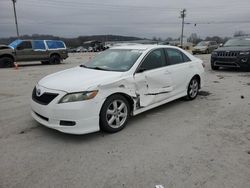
(221, 44)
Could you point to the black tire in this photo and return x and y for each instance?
(54, 59)
(213, 67)
(193, 88)
(6, 62)
(109, 114)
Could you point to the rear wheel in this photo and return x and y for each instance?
(114, 114)
(193, 88)
(54, 59)
(6, 62)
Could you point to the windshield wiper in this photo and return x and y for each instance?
(99, 68)
(96, 68)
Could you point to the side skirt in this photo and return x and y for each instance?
(140, 110)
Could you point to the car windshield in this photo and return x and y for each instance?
(114, 60)
(14, 44)
(202, 43)
(238, 42)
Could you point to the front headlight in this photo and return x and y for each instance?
(79, 96)
(244, 53)
(214, 53)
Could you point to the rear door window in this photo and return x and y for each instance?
(55, 44)
(176, 57)
(38, 45)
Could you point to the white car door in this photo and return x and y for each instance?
(180, 69)
(152, 79)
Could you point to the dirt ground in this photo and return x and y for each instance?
(201, 143)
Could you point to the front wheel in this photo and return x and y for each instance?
(193, 89)
(114, 114)
(6, 62)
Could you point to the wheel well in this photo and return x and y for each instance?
(55, 54)
(199, 79)
(129, 99)
(7, 55)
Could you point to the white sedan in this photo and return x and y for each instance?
(118, 83)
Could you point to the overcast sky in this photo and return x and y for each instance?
(142, 18)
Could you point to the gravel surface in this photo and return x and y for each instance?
(200, 143)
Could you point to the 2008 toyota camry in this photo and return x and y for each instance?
(118, 83)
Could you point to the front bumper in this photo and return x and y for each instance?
(233, 62)
(83, 115)
(199, 51)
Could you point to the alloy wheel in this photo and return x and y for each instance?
(117, 113)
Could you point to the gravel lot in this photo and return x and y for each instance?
(200, 143)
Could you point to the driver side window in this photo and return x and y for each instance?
(155, 59)
(24, 45)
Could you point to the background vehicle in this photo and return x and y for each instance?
(234, 53)
(46, 51)
(205, 47)
(94, 46)
(122, 81)
(81, 49)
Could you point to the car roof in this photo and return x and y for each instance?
(141, 47)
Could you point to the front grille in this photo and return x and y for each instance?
(45, 98)
(228, 54)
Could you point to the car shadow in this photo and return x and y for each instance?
(36, 64)
(231, 70)
(54, 134)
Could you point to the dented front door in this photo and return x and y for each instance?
(153, 86)
(153, 80)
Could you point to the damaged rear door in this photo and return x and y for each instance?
(152, 79)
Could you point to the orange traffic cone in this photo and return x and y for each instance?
(16, 65)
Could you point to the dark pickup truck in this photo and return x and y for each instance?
(46, 51)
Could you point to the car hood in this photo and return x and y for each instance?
(78, 79)
(234, 48)
(4, 47)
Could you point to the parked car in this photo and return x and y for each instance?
(81, 49)
(234, 53)
(46, 51)
(118, 83)
(205, 47)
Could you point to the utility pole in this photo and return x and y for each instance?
(14, 6)
(183, 15)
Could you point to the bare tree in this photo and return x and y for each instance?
(239, 33)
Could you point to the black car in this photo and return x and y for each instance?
(235, 53)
